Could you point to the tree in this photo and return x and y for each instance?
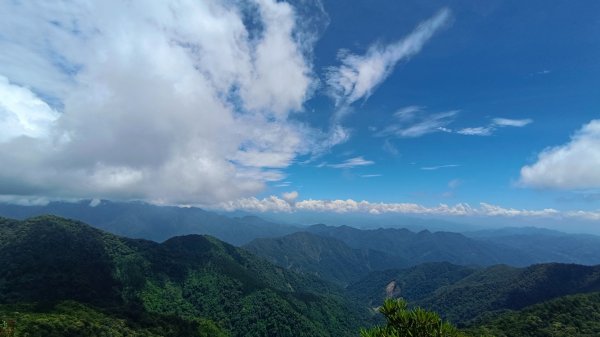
(402, 322)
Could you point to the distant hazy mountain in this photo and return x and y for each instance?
(544, 245)
(325, 257)
(425, 246)
(461, 294)
(113, 285)
(157, 223)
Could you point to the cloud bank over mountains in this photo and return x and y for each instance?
(285, 205)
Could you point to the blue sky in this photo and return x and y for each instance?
(494, 60)
(449, 108)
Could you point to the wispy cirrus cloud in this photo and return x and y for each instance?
(350, 163)
(414, 121)
(359, 75)
(493, 126)
(477, 131)
(434, 168)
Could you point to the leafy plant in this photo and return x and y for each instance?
(404, 322)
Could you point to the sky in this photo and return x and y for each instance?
(455, 109)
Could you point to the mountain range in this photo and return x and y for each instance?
(461, 294)
(62, 277)
(49, 260)
(156, 223)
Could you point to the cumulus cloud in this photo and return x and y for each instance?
(290, 197)
(23, 113)
(574, 165)
(172, 101)
(274, 204)
(360, 74)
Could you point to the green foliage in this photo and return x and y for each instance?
(75, 319)
(575, 315)
(327, 258)
(7, 328)
(461, 294)
(402, 322)
(184, 286)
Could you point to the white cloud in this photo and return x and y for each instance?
(574, 165)
(370, 175)
(433, 168)
(478, 131)
(416, 123)
(454, 183)
(95, 202)
(360, 74)
(495, 124)
(290, 197)
(351, 163)
(408, 113)
(274, 204)
(171, 101)
(511, 122)
(23, 113)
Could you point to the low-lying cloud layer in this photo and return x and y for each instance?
(276, 204)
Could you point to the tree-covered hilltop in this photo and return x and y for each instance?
(412, 284)
(141, 284)
(567, 316)
(461, 293)
(325, 257)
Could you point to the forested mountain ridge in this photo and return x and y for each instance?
(461, 294)
(567, 316)
(325, 257)
(48, 260)
(425, 246)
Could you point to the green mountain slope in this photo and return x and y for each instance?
(48, 260)
(412, 284)
(327, 258)
(503, 287)
(461, 294)
(568, 316)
